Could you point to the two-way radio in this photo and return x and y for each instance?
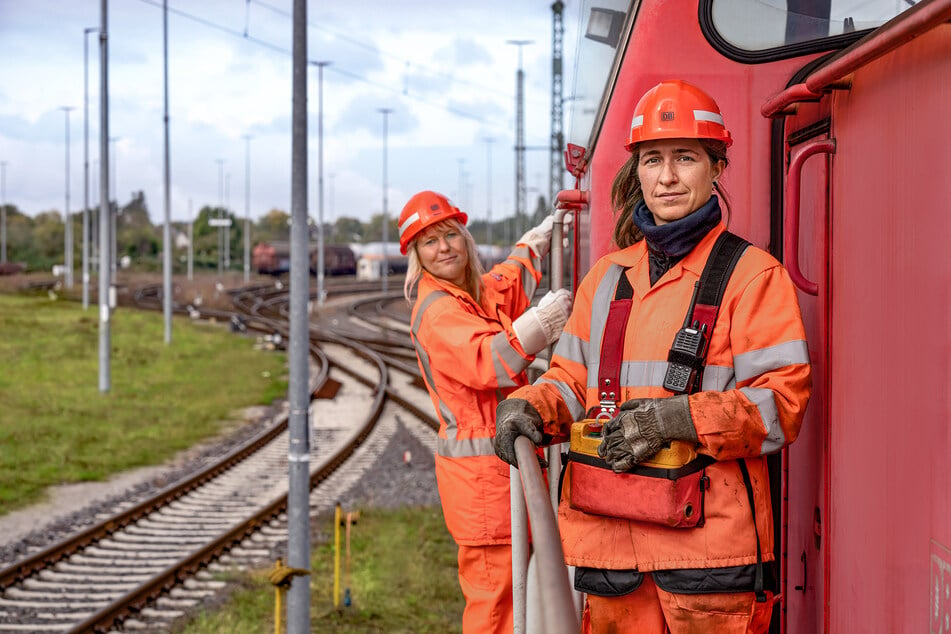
(685, 359)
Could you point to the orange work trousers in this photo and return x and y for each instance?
(650, 610)
(485, 574)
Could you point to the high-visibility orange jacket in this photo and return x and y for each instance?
(471, 359)
(756, 383)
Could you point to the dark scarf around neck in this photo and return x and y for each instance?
(676, 239)
(668, 244)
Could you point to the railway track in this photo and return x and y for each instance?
(146, 566)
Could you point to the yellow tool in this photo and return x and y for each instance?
(338, 514)
(586, 436)
(281, 576)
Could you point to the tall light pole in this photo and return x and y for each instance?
(114, 216)
(67, 222)
(227, 228)
(320, 181)
(3, 211)
(221, 167)
(461, 198)
(298, 389)
(191, 241)
(247, 208)
(94, 251)
(86, 214)
(332, 216)
(557, 142)
(488, 190)
(385, 263)
(106, 291)
(167, 231)
(519, 138)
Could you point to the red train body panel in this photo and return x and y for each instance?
(864, 494)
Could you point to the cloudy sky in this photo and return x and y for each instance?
(444, 67)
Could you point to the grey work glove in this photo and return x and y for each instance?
(516, 417)
(642, 428)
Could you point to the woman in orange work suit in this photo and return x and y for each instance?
(647, 561)
(475, 334)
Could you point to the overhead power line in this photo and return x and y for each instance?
(375, 49)
(402, 92)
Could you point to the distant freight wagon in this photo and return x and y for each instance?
(370, 257)
(274, 258)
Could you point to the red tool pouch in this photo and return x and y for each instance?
(672, 497)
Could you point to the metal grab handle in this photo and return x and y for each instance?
(568, 201)
(791, 226)
(559, 608)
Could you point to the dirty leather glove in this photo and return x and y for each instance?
(643, 427)
(516, 417)
(541, 326)
(539, 237)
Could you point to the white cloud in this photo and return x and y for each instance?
(443, 67)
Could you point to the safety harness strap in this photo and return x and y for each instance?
(726, 253)
(609, 370)
(716, 274)
(758, 579)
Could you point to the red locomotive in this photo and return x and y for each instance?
(840, 169)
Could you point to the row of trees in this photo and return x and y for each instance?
(38, 242)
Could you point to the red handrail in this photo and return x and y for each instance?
(906, 26)
(791, 227)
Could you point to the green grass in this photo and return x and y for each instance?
(403, 580)
(56, 427)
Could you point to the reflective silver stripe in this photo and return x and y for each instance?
(717, 378)
(465, 448)
(765, 402)
(756, 362)
(406, 223)
(571, 347)
(521, 251)
(642, 373)
(444, 412)
(528, 283)
(502, 351)
(645, 374)
(706, 115)
(636, 374)
(637, 121)
(575, 407)
(603, 296)
(527, 278)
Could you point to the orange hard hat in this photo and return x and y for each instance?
(675, 109)
(424, 209)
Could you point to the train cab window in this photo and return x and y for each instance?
(600, 30)
(760, 25)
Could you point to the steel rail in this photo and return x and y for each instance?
(105, 618)
(58, 551)
(133, 601)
